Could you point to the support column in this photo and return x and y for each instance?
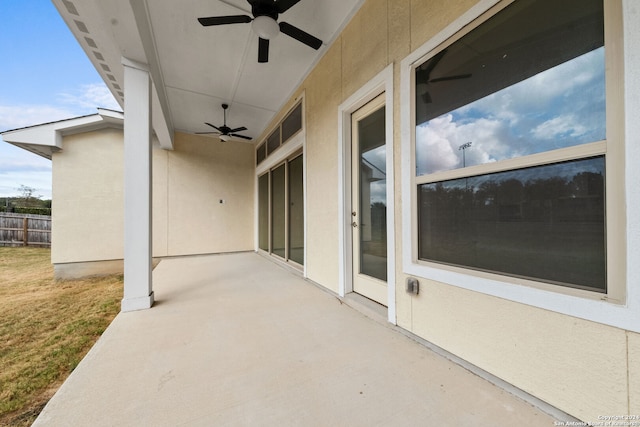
(138, 287)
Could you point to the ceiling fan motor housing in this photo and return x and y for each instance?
(260, 8)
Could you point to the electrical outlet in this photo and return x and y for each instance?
(412, 286)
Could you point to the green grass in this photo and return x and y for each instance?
(46, 328)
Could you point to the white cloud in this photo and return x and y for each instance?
(19, 167)
(90, 96)
(558, 126)
(438, 142)
(434, 147)
(83, 101)
(538, 92)
(19, 116)
(41, 181)
(560, 107)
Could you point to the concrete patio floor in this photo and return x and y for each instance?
(238, 340)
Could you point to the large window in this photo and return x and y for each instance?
(511, 145)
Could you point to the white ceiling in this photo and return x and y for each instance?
(194, 68)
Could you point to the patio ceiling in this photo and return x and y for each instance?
(195, 69)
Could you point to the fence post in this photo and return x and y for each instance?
(25, 233)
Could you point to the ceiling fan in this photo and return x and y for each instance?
(423, 74)
(265, 24)
(225, 131)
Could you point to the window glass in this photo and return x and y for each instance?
(296, 211)
(546, 223)
(292, 124)
(273, 142)
(528, 80)
(373, 195)
(261, 153)
(278, 209)
(263, 212)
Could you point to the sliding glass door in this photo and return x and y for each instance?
(281, 210)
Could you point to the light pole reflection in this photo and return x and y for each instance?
(464, 147)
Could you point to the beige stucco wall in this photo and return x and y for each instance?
(201, 171)
(583, 368)
(87, 179)
(188, 184)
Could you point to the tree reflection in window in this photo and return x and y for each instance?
(545, 223)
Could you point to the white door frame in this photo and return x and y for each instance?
(383, 82)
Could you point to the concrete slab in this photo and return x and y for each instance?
(238, 340)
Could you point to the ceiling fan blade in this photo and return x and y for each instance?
(447, 78)
(240, 129)
(215, 127)
(224, 20)
(431, 64)
(284, 5)
(228, 3)
(239, 136)
(300, 35)
(263, 50)
(207, 133)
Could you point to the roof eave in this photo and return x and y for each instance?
(46, 139)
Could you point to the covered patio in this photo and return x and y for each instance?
(237, 339)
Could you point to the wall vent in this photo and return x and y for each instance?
(71, 8)
(81, 26)
(90, 42)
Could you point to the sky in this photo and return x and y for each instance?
(557, 108)
(44, 76)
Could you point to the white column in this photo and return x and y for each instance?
(138, 289)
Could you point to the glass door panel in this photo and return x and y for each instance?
(263, 212)
(373, 196)
(369, 204)
(278, 211)
(296, 211)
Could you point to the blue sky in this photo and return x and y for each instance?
(45, 76)
(560, 107)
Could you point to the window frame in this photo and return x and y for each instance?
(544, 295)
(284, 163)
(264, 143)
(288, 150)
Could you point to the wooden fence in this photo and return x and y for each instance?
(25, 230)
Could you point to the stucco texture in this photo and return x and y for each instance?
(209, 196)
(188, 185)
(87, 177)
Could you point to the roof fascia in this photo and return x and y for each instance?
(134, 36)
(46, 139)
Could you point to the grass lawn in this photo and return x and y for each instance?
(46, 328)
